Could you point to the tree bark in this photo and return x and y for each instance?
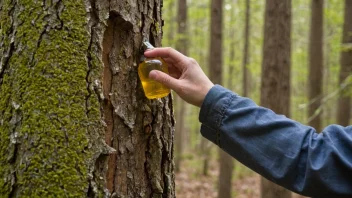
(344, 102)
(275, 86)
(316, 64)
(74, 120)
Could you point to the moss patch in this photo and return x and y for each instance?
(46, 111)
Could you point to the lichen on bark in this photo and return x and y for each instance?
(60, 100)
(48, 113)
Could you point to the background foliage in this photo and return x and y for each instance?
(233, 35)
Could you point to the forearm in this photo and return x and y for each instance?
(282, 150)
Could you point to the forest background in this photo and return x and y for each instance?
(197, 166)
(75, 122)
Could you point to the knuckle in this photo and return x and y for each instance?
(168, 50)
(182, 90)
(192, 61)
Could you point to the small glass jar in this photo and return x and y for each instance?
(152, 89)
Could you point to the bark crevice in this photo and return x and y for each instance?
(12, 32)
(108, 110)
(94, 87)
(93, 21)
(68, 105)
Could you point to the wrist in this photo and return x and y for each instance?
(204, 91)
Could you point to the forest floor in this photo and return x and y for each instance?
(191, 183)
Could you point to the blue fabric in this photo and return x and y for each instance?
(282, 150)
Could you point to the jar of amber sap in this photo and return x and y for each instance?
(152, 89)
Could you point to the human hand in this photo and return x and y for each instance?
(186, 77)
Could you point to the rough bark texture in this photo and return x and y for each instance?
(65, 86)
(49, 113)
(315, 77)
(275, 87)
(182, 46)
(344, 103)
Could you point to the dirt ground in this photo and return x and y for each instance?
(191, 184)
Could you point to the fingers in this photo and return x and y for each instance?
(166, 53)
(165, 79)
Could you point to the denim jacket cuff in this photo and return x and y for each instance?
(212, 112)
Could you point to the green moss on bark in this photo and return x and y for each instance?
(47, 113)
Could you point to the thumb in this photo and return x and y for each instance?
(164, 78)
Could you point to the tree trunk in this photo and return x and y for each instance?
(316, 64)
(246, 49)
(215, 74)
(74, 120)
(180, 105)
(205, 147)
(344, 103)
(182, 46)
(225, 175)
(215, 57)
(275, 87)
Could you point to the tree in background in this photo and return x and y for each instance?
(344, 102)
(215, 75)
(275, 88)
(198, 17)
(199, 32)
(232, 48)
(315, 78)
(245, 84)
(182, 46)
(67, 82)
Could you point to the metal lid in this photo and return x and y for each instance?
(147, 45)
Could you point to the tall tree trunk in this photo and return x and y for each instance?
(225, 176)
(205, 147)
(275, 86)
(215, 57)
(74, 120)
(182, 46)
(344, 103)
(246, 50)
(215, 74)
(230, 82)
(316, 64)
(180, 107)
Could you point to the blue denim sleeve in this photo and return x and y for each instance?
(284, 151)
